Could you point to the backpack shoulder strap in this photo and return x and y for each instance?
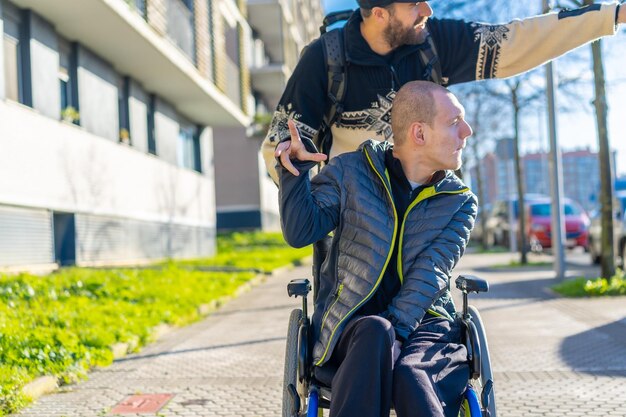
(431, 63)
(335, 57)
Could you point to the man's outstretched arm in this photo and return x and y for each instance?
(476, 51)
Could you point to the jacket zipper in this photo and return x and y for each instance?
(425, 194)
(337, 294)
(376, 285)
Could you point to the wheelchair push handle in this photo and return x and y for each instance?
(471, 283)
(468, 284)
(298, 287)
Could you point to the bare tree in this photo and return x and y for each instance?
(485, 117)
(606, 184)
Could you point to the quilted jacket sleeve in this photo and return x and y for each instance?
(309, 209)
(429, 274)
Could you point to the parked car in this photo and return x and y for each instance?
(619, 231)
(539, 225)
(498, 224)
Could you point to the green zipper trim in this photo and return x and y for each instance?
(436, 314)
(426, 193)
(395, 231)
(338, 293)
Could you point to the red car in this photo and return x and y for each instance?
(539, 225)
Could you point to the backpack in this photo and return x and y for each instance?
(333, 45)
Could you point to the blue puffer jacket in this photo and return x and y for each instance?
(352, 196)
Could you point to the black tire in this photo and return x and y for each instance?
(486, 373)
(291, 362)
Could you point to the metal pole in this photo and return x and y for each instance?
(556, 176)
(513, 222)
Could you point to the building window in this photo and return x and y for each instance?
(123, 92)
(141, 7)
(197, 149)
(151, 125)
(67, 82)
(13, 65)
(187, 147)
(181, 25)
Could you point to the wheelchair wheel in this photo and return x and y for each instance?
(483, 386)
(290, 401)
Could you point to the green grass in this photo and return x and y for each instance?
(263, 252)
(518, 264)
(65, 323)
(493, 249)
(477, 247)
(582, 287)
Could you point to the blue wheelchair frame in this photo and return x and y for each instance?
(300, 388)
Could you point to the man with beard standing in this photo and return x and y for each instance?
(382, 42)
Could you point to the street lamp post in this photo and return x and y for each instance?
(556, 177)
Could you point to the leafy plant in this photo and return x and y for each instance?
(582, 287)
(70, 114)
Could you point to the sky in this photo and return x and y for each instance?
(577, 129)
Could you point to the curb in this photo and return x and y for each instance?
(40, 386)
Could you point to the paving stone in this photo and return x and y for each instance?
(551, 356)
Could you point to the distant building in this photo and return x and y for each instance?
(246, 196)
(489, 173)
(108, 112)
(581, 176)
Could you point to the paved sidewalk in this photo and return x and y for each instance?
(552, 356)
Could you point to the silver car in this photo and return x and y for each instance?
(619, 231)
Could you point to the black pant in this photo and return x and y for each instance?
(428, 379)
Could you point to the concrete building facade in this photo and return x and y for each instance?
(246, 196)
(108, 112)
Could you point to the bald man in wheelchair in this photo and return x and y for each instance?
(384, 319)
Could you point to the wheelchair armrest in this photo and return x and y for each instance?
(298, 287)
(471, 283)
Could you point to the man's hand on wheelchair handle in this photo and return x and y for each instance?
(294, 149)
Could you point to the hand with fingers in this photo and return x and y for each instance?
(295, 149)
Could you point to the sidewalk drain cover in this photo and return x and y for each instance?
(144, 403)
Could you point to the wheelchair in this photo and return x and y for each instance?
(306, 396)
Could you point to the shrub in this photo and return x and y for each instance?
(582, 287)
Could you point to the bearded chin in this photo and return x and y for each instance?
(397, 36)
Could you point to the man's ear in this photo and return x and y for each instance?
(380, 13)
(417, 133)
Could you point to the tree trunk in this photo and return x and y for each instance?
(521, 209)
(606, 182)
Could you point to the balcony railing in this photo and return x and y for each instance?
(180, 27)
(233, 81)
